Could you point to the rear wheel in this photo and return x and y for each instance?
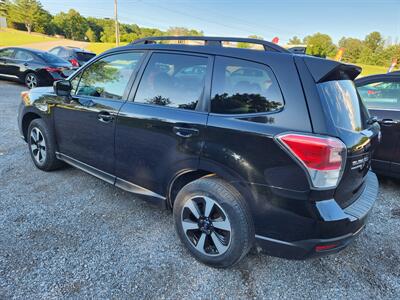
(31, 80)
(214, 222)
(42, 146)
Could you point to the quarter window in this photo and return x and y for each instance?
(55, 51)
(381, 95)
(173, 80)
(108, 77)
(243, 87)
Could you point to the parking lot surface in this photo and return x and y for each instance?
(68, 234)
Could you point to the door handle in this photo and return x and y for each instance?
(105, 117)
(25, 64)
(388, 122)
(185, 132)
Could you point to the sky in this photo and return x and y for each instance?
(281, 18)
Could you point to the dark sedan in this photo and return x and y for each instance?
(76, 56)
(381, 94)
(33, 67)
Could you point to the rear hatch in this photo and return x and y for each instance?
(348, 119)
(84, 57)
(353, 126)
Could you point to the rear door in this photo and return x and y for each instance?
(382, 97)
(6, 56)
(23, 61)
(161, 131)
(85, 124)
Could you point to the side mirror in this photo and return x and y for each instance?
(62, 88)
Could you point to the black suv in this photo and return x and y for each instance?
(247, 147)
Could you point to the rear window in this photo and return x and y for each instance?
(85, 56)
(50, 58)
(343, 104)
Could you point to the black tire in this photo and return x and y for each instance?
(48, 161)
(31, 80)
(229, 202)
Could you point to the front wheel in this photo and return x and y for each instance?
(214, 222)
(42, 146)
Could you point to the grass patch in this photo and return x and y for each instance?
(101, 47)
(369, 70)
(12, 37)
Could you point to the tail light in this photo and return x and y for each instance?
(52, 69)
(323, 157)
(320, 248)
(74, 62)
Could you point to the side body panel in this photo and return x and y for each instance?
(241, 148)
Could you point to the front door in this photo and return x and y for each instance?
(382, 97)
(85, 124)
(162, 131)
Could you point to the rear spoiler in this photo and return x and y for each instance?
(326, 70)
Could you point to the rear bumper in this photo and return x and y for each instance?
(350, 220)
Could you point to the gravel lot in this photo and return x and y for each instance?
(67, 234)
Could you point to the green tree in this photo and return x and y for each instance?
(44, 22)
(374, 41)
(390, 53)
(294, 41)
(352, 49)
(108, 33)
(71, 24)
(250, 45)
(175, 31)
(3, 8)
(90, 34)
(320, 44)
(25, 12)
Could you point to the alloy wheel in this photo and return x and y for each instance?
(38, 145)
(206, 225)
(31, 81)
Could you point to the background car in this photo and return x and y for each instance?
(76, 56)
(33, 67)
(381, 94)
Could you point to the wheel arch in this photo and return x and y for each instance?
(26, 120)
(185, 177)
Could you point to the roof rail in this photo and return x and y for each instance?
(212, 41)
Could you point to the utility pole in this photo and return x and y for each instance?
(116, 23)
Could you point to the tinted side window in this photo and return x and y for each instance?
(242, 87)
(23, 55)
(381, 95)
(173, 80)
(109, 76)
(6, 53)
